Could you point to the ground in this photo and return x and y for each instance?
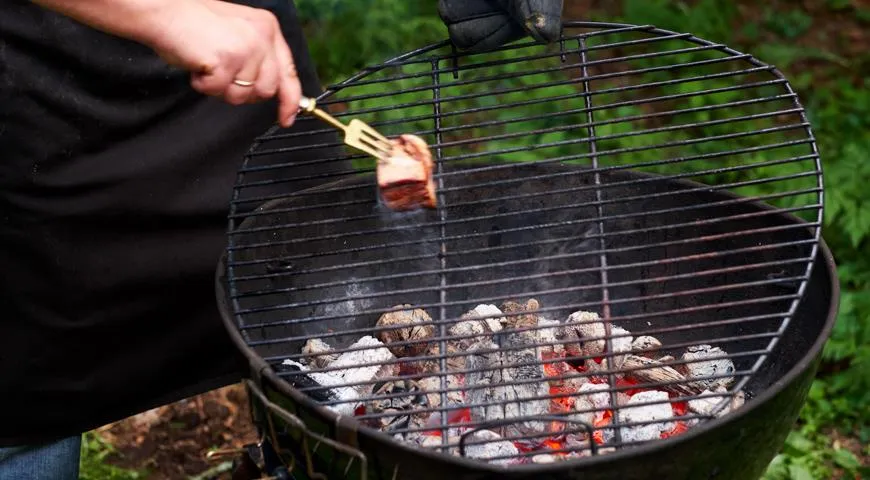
(171, 442)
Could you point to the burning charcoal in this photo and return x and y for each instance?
(494, 447)
(578, 327)
(591, 402)
(706, 368)
(491, 395)
(654, 372)
(434, 442)
(389, 399)
(352, 373)
(556, 371)
(475, 329)
(645, 345)
(666, 359)
(621, 342)
(646, 413)
(405, 176)
(707, 406)
(546, 337)
(544, 458)
(432, 388)
(347, 395)
(455, 362)
(318, 353)
(521, 316)
(412, 332)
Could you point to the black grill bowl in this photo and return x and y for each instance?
(724, 276)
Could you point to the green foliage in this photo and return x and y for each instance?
(345, 36)
(93, 465)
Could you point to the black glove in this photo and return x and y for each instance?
(479, 25)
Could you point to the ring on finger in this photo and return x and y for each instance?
(243, 83)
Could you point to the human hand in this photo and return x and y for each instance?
(232, 51)
(479, 25)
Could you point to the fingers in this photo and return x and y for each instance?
(289, 88)
(245, 83)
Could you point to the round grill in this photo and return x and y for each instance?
(627, 221)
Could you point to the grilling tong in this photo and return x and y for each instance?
(357, 134)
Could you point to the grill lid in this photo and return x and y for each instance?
(597, 274)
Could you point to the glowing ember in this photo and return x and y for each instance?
(679, 427)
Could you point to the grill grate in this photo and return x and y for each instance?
(618, 172)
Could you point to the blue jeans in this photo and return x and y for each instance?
(52, 461)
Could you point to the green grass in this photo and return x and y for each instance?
(93, 464)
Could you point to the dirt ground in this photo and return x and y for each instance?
(171, 442)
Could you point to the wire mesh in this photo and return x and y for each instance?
(668, 185)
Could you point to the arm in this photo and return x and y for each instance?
(137, 20)
(232, 51)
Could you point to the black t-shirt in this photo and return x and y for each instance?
(115, 181)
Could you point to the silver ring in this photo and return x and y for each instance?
(243, 83)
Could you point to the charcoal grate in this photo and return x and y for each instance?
(618, 172)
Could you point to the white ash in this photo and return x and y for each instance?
(547, 337)
(431, 386)
(543, 458)
(491, 395)
(412, 338)
(318, 353)
(473, 328)
(646, 413)
(645, 345)
(347, 395)
(709, 405)
(666, 359)
(351, 373)
(621, 342)
(494, 447)
(701, 370)
(577, 328)
(590, 403)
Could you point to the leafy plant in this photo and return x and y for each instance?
(93, 465)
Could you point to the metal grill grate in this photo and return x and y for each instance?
(618, 172)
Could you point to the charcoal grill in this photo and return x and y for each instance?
(668, 185)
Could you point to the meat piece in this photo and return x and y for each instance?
(405, 176)
(412, 338)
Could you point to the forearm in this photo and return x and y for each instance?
(138, 20)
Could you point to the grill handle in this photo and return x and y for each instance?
(307, 436)
(543, 418)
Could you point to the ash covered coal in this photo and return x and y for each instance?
(513, 365)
